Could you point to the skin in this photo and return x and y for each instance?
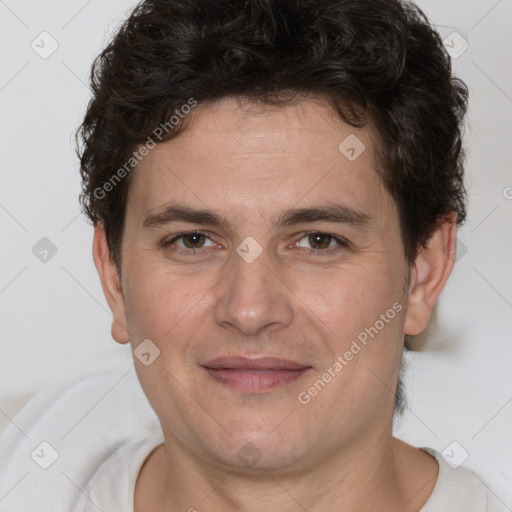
(250, 163)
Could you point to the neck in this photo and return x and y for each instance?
(377, 474)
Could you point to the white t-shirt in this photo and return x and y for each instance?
(112, 487)
(80, 449)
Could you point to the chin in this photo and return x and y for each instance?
(254, 448)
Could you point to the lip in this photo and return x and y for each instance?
(254, 375)
(253, 363)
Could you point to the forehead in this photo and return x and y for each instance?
(249, 159)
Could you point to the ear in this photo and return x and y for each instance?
(110, 283)
(429, 274)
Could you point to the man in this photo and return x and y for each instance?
(275, 188)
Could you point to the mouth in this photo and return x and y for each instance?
(254, 375)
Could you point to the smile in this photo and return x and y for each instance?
(254, 375)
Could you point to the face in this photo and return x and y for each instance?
(279, 316)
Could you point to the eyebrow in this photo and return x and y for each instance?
(339, 214)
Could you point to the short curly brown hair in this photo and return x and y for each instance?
(377, 61)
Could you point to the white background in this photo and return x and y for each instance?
(54, 320)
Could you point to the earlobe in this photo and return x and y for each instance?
(110, 283)
(429, 274)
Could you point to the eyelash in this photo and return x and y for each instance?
(341, 243)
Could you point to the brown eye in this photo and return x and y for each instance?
(193, 240)
(317, 243)
(319, 240)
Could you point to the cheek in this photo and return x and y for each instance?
(352, 297)
(364, 310)
(158, 301)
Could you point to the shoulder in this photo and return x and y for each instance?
(113, 485)
(54, 447)
(459, 489)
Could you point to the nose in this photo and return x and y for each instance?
(251, 298)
